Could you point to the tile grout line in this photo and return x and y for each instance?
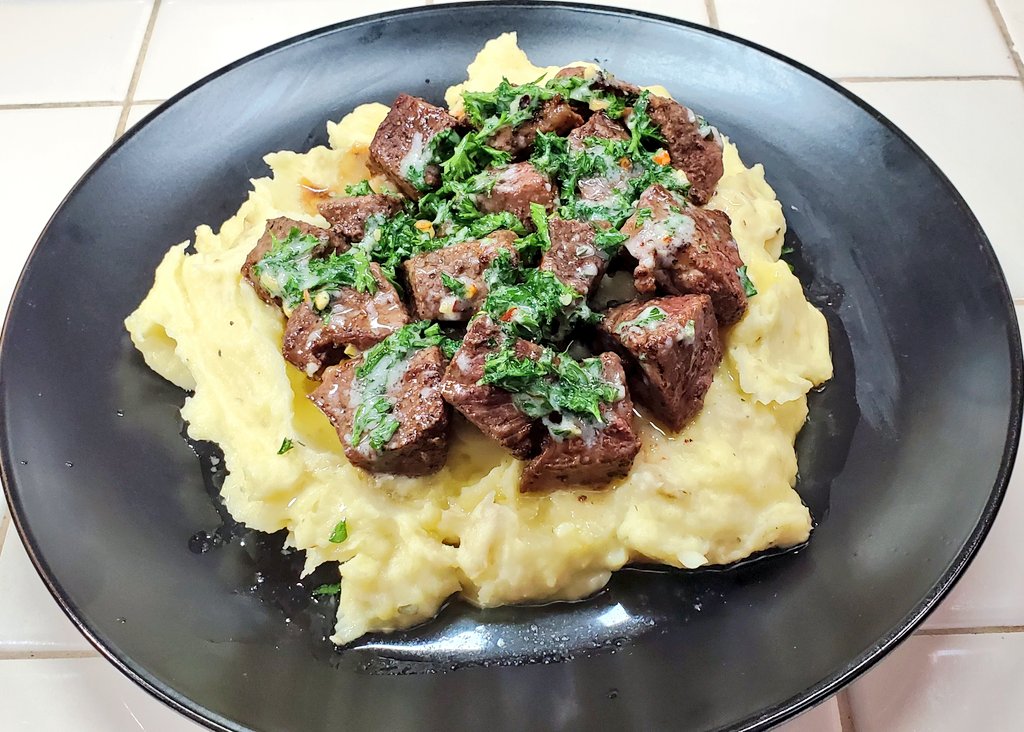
(1004, 31)
(846, 723)
(61, 105)
(973, 630)
(976, 77)
(709, 6)
(47, 655)
(137, 71)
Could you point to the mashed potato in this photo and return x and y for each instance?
(713, 494)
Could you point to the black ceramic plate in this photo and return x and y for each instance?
(903, 461)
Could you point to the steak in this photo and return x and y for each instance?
(347, 216)
(488, 407)
(555, 115)
(693, 148)
(515, 187)
(465, 262)
(279, 228)
(314, 340)
(420, 444)
(683, 249)
(595, 457)
(573, 257)
(401, 146)
(670, 361)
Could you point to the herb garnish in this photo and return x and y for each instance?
(532, 304)
(340, 532)
(748, 286)
(290, 272)
(553, 383)
(332, 589)
(286, 445)
(362, 188)
(648, 318)
(373, 419)
(457, 287)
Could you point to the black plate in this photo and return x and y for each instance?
(903, 462)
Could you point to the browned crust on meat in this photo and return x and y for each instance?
(394, 137)
(489, 408)
(668, 376)
(465, 261)
(571, 461)
(515, 187)
(279, 228)
(347, 216)
(359, 319)
(573, 256)
(420, 445)
(708, 263)
(699, 157)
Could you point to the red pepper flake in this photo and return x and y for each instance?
(508, 315)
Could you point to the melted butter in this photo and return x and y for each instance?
(311, 195)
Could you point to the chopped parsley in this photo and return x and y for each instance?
(748, 286)
(340, 532)
(455, 286)
(642, 129)
(362, 188)
(373, 420)
(390, 241)
(286, 445)
(289, 270)
(553, 384)
(532, 304)
(332, 589)
(648, 318)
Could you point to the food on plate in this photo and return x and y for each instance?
(499, 350)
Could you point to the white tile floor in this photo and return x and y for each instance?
(960, 671)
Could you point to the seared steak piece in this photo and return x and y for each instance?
(401, 147)
(488, 407)
(671, 348)
(683, 249)
(515, 187)
(598, 455)
(279, 229)
(599, 125)
(314, 340)
(347, 216)
(465, 262)
(573, 258)
(555, 115)
(609, 82)
(694, 149)
(569, 71)
(420, 444)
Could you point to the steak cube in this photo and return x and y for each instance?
(671, 348)
(555, 115)
(279, 229)
(595, 457)
(515, 187)
(488, 407)
(601, 126)
(314, 340)
(347, 216)
(419, 445)
(694, 147)
(601, 189)
(683, 249)
(573, 257)
(464, 262)
(401, 146)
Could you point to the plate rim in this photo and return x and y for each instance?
(773, 715)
